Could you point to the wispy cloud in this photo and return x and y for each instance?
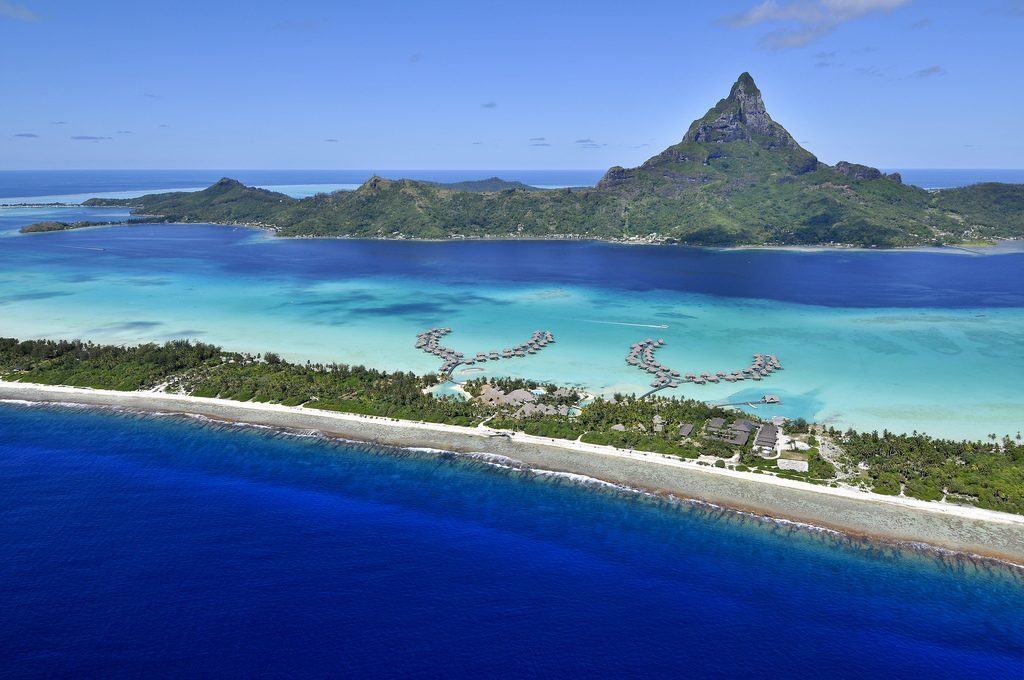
(477, 143)
(150, 95)
(300, 25)
(163, 125)
(489, 105)
(89, 138)
(919, 24)
(801, 22)
(415, 58)
(588, 143)
(9, 10)
(540, 144)
(58, 122)
(825, 59)
(873, 71)
(124, 132)
(27, 135)
(332, 140)
(929, 72)
(538, 139)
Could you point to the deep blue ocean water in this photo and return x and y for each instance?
(138, 546)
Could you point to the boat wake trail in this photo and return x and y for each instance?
(624, 323)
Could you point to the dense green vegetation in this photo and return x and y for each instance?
(737, 177)
(989, 209)
(84, 364)
(989, 474)
(206, 370)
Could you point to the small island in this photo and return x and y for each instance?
(48, 225)
(52, 225)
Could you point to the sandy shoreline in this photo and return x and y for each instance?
(1000, 246)
(959, 528)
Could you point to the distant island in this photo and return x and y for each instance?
(736, 178)
(50, 225)
(485, 185)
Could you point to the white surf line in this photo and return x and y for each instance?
(125, 399)
(623, 323)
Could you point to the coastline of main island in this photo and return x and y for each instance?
(894, 519)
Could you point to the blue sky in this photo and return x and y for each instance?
(467, 85)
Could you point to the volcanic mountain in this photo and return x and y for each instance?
(736, 177)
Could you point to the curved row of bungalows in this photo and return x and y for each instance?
(761, 367)
(641, 355)
(538, 341)
(429, 341)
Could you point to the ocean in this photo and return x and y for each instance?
(144, 546)
(139, 545)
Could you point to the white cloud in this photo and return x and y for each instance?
(11, 11)
(801, 22)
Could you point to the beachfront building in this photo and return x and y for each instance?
(767, 437)
(737, 433)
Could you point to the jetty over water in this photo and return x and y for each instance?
(429, 341)
(641, 355)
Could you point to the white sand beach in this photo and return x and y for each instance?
(958, 528)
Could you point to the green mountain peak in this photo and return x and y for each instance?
(740, 117)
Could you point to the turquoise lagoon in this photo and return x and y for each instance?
(928, 341)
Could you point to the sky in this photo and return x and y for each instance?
(475, 85)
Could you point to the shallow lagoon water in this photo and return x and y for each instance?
(138, 546)
(927, 341)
